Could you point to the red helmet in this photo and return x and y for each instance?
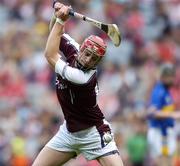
(96, 44)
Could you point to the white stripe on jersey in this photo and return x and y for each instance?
(72, 41)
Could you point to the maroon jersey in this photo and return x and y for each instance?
(78, 102)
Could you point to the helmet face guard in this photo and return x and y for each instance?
(94, 44)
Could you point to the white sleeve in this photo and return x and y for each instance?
(73, 74)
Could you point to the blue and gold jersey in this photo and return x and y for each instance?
(162, 101)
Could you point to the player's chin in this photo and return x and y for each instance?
(85, 65)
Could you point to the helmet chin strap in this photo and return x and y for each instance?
(81, 67)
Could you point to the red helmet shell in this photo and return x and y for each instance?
(96, 44)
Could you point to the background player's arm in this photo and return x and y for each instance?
(175, 115)
(161, 114)
(153, 111)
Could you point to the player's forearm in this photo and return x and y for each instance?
(52, 22)
(52, 45)
(162, 114)
(154, 112)
(175, 115)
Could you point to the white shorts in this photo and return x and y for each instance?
(155, 141)
(87, 142)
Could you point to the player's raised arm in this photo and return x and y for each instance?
(52, 49)
(53, 42)
(56, 5)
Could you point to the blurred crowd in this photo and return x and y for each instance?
(29, 111)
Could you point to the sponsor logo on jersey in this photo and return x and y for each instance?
(60, 85)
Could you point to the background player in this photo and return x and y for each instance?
(162, 114)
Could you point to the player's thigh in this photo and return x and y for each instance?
(110, 160)
(51, 157)
(171, 141)
(154, 138)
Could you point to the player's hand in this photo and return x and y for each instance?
(62, 11)
(176, 115)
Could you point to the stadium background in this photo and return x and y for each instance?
(29, 111)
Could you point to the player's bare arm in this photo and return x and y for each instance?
(176, 114)
(161, 114)
(52, 22)
(51, 50)
(52, 46)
